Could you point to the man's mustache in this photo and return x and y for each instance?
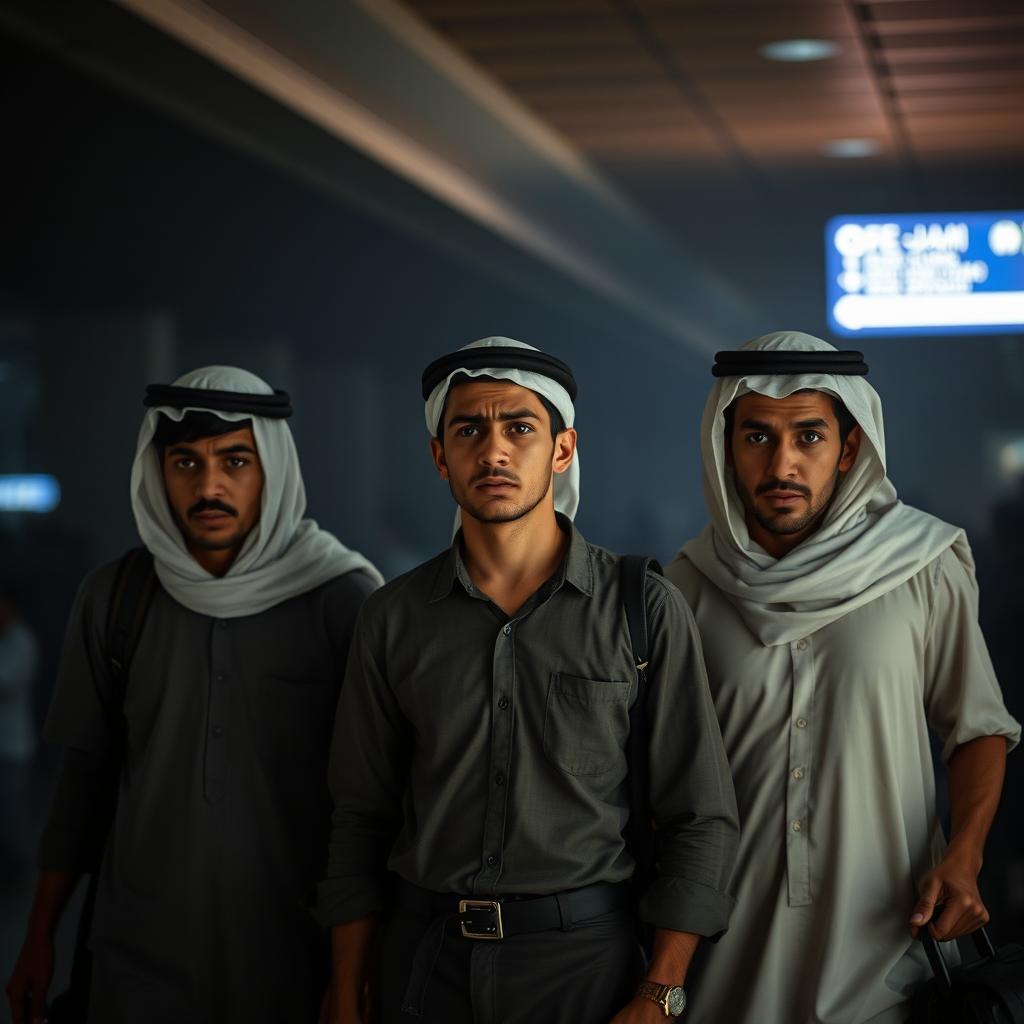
(212, 505)
(489, 474)
(783, 485)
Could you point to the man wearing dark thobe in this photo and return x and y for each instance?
(479, 762)
(217, 749)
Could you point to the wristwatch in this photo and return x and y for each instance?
(671, 998)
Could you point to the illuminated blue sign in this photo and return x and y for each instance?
(34, 492)
(925, 273)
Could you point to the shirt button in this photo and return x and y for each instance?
(507, 630)
(218, 730)
(499, 779)
(801, 723)
(797, 773)
(222, 623)
(492, 861)
(503, 703)
(221, 677)
(801, 645)
(797, 826)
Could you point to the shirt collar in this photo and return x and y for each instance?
(577, 567)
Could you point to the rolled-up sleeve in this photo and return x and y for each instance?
(962, 695)
(368, 774)
(691, 791)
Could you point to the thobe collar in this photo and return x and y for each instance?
(576, 568)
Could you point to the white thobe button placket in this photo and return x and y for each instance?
(798, 860)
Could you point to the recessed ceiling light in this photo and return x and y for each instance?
(850, 148)
(799, 50)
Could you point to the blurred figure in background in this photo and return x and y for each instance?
(838, 625)
(194, 701)
(19, 657)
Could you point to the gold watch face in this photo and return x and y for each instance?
(676, 1001)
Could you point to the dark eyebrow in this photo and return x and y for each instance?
(180, 449)
(235, 449)
(815, 424)
(515, 414)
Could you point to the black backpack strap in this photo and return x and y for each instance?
(134, 586)
(639, 832)
(633, 576)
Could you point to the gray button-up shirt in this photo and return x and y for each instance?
(485, 755)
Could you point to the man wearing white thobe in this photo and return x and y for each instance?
(838, 626)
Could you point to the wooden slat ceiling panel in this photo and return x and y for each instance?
(970, 42)
(922, 12)
(565, 34)
(753, 27)
(700, 8)
(948, 102)
(953, 123)
(440, 11)
(790, 84)
(797, 132)
(672, 118)
(566, 95)
(920, 80)
(1008, 51)
(969, 25)
(650, 79)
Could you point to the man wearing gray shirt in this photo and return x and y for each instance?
(479, 766)
(215, 750)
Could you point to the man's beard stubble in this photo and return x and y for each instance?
(507, 515)
(205, 543)
(783, 524)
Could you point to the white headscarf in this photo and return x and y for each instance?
(567, 484)
(868, 543)
(284, 555)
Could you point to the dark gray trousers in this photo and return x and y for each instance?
(581, 976)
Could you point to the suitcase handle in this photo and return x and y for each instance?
(940, 968)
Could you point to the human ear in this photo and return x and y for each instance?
(437, 454)
(850, 450)
(565, 450)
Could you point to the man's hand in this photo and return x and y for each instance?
(30, 980)
(954, 884)
(976, 771)
(640, 1011)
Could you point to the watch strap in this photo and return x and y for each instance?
(656, 993)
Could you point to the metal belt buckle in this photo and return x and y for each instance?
(494, 931)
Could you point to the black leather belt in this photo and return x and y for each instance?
(503, 917)
(495, 919)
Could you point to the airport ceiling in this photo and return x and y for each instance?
(911, 83)
(647, 151)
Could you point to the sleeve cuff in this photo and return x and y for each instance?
(338, 901)
(686, 906)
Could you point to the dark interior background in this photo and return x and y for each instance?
(137, 245)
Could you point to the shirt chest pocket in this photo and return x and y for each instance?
(586, 723)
